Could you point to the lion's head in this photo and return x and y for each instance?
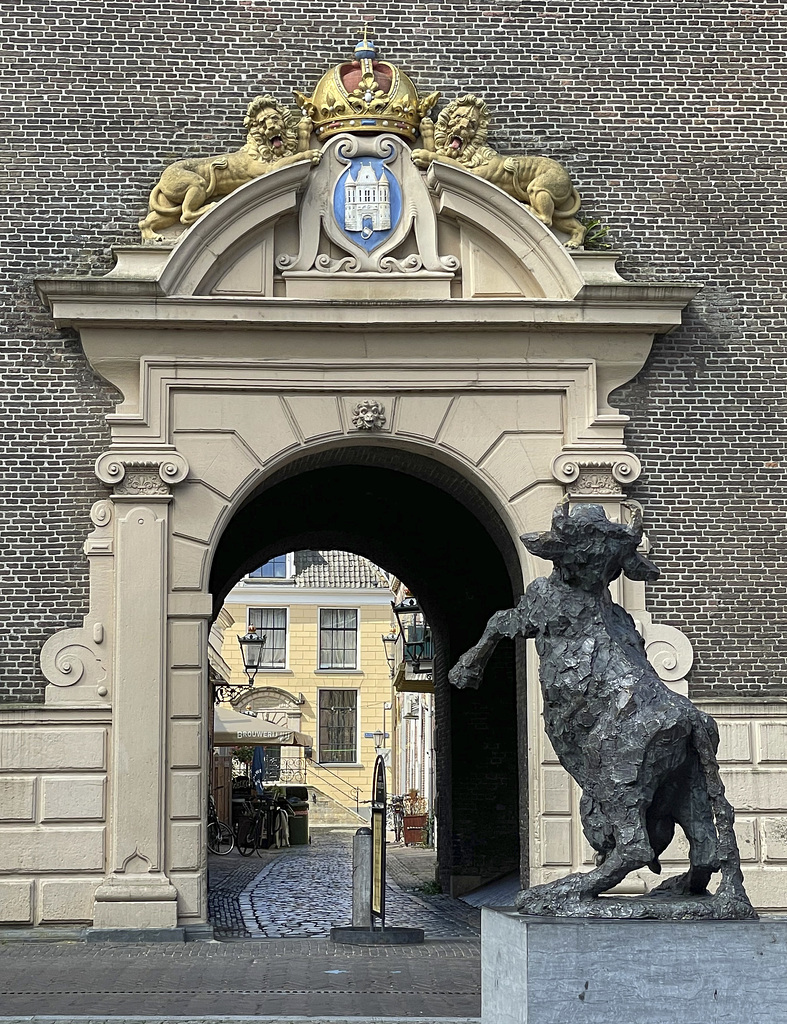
(368, 414)
(461, 129)
(271, 129)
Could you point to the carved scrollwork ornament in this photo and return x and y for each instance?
(368, 414)
(142, 482)
(101, 513)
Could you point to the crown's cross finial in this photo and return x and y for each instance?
(365, 50)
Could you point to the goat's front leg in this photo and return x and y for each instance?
(469, 670)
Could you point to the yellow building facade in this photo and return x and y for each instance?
(323, 668)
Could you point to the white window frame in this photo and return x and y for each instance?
(271, 608)
(339, 608)
(289, 572)
(340, 764)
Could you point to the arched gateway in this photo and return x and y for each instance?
(422, 402)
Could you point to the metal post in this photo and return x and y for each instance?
(362, 878)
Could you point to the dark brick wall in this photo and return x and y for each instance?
(670, 116)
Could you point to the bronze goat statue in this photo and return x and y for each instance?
(644, 756)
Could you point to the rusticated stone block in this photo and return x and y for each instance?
(25, 850)
(16, 902)
(17, 799)
(52, 750)
(67, 900)
(67, 797)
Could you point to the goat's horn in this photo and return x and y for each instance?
(636, 524)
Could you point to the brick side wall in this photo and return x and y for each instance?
(670, 116)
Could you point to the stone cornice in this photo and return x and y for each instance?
(118, 302)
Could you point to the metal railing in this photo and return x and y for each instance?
(302, 769)
(342, 787)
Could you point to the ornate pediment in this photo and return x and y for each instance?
(377, 112)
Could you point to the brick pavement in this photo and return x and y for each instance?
(278, 977)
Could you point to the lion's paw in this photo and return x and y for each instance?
(422, 157)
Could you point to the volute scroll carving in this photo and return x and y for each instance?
(141, 473)
(596, 473)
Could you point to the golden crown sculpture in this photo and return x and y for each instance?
(366, 95)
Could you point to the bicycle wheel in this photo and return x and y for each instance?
(247, 838)
(220, 838)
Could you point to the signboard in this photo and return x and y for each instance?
(378, 842)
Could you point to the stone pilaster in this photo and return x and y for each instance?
(136, 892)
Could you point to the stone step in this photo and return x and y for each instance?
(325, 809)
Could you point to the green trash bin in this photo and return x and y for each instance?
(299, 820)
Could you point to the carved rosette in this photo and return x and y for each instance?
(368, 414)
(596, 474)
(134, 474)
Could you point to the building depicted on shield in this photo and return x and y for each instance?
(367, 200)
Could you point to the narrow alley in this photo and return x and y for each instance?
(302, 891)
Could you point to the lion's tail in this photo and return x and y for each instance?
(568, 211)
(705, 740)
(156, 206)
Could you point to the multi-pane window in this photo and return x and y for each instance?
(338, 638)
(338, 726)
(272, 622)
(275, 569)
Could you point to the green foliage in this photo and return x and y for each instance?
(431, 888)
(243, 754)
(595, 233)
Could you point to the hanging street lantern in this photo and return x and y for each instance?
(416, 634)
(251, 648)
(389, 646)
(379, 738)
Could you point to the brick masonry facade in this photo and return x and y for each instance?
(671, 119)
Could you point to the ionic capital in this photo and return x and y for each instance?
(596, 473)
(141, 473)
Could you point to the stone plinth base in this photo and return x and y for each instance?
(551, 971)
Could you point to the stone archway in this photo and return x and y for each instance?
(240, 356)
(429, 525)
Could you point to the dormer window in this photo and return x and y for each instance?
(279, 568)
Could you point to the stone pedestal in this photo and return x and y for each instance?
(551, 971)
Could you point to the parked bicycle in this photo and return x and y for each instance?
(252, 829)
(220, 836)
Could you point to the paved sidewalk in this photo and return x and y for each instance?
(306, 977)
(281, 966)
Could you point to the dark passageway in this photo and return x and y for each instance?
(426, 523)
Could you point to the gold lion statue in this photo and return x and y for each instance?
(459, 137)
(186, 189)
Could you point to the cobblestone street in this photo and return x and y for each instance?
(302, 891)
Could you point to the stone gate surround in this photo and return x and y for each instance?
(499, 365)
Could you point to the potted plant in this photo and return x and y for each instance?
(415, 819)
